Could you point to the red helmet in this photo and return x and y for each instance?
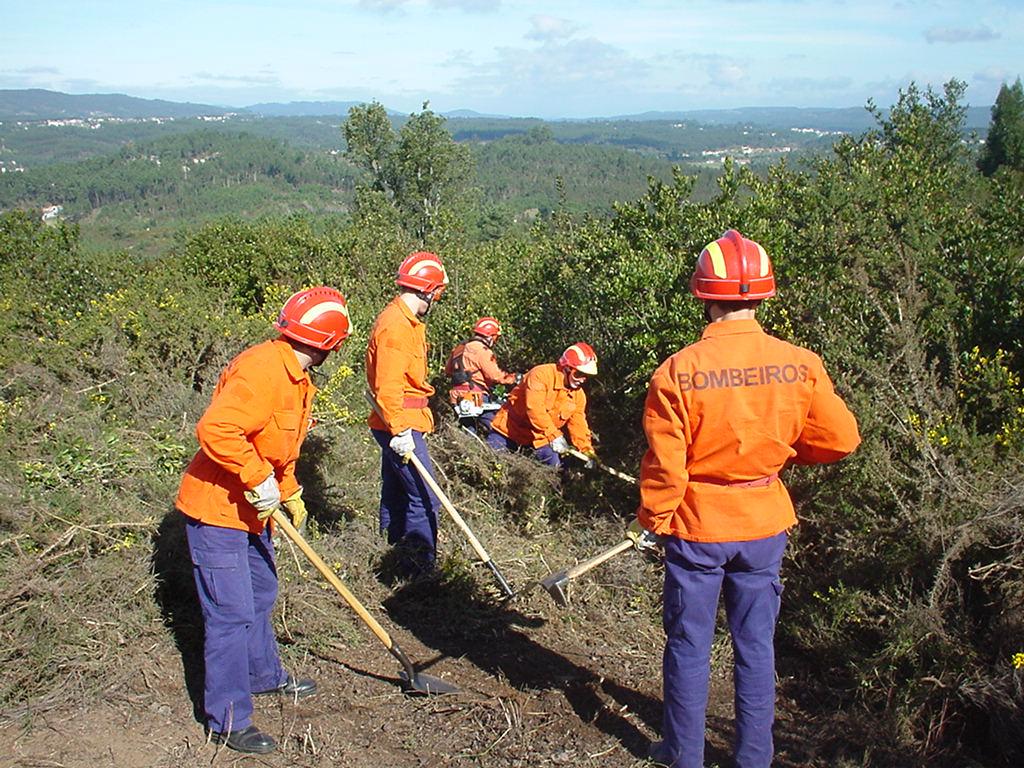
(733, 268)
(317, 317)
(488, 327)
(581, 357)
(423, 271)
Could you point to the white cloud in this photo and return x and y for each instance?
(571, 78)
(384, 6)
(994, 76)
(809, 85)
(470, 6)
(555, 64)
(268, 78)
(960, 34)
(35, 71)
(726, 74)
(547, 28)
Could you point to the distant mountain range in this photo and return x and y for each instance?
(848, 119)
(305, 109)
(38, 104)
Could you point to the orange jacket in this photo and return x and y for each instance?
(396, 370)
(479, 364)
(540, 406)
(736, 406)
(254, 425)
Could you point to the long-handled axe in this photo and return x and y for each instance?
(557, 584)
(474, 542)
(610, 470)
(413, 680)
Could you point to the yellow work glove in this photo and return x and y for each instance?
(643, 540)
(296, 509)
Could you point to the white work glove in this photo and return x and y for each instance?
(559, 445)
(643, 540)
(402, 443)
(266, 495)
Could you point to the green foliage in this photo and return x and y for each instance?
(897, 261)
(370, 144)
(518, 173)
(1004, 145)
(420, 169)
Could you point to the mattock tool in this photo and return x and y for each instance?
(557, 584)
(611, 471)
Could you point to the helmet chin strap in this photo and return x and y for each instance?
(429, 299)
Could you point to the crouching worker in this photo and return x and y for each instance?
(549, 397)
(474, 372)
(249, 441)
(723, 417)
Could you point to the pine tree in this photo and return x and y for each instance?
(1005, 143)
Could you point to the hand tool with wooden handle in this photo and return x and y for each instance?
(416, 681)
(453, 513)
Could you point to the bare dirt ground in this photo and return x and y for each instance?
(539, 686)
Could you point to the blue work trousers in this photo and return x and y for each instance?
(694, 575)
(544, 454)
(237, 583)
(408, 508)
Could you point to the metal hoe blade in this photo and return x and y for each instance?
(426, 684)
(557, 585)
(419, 682)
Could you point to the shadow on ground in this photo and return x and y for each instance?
(175, 593)
(451, 616)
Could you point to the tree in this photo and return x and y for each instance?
(370, 144)
(1005, 142)
(433, 170)
(421, 169)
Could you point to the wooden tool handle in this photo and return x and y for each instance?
(580, 568)
(445, 501)
(289, 530)
(621, 475)
(449, 507)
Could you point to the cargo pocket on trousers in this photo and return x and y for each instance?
(217, 573)
(777, 589)
(672, 609)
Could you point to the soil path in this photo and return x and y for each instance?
(539, 686)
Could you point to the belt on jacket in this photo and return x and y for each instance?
(415, 402)
(760, 482)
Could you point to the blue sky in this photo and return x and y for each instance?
(517, 57)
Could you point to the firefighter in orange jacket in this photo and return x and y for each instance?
(723, 416)
(474, 372)
(549, 397)
(396, 372)
(249, 440)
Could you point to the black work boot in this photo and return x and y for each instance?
(298, 688)
(660, 753)
(251, 740)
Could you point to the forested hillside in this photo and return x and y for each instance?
(901, 639)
